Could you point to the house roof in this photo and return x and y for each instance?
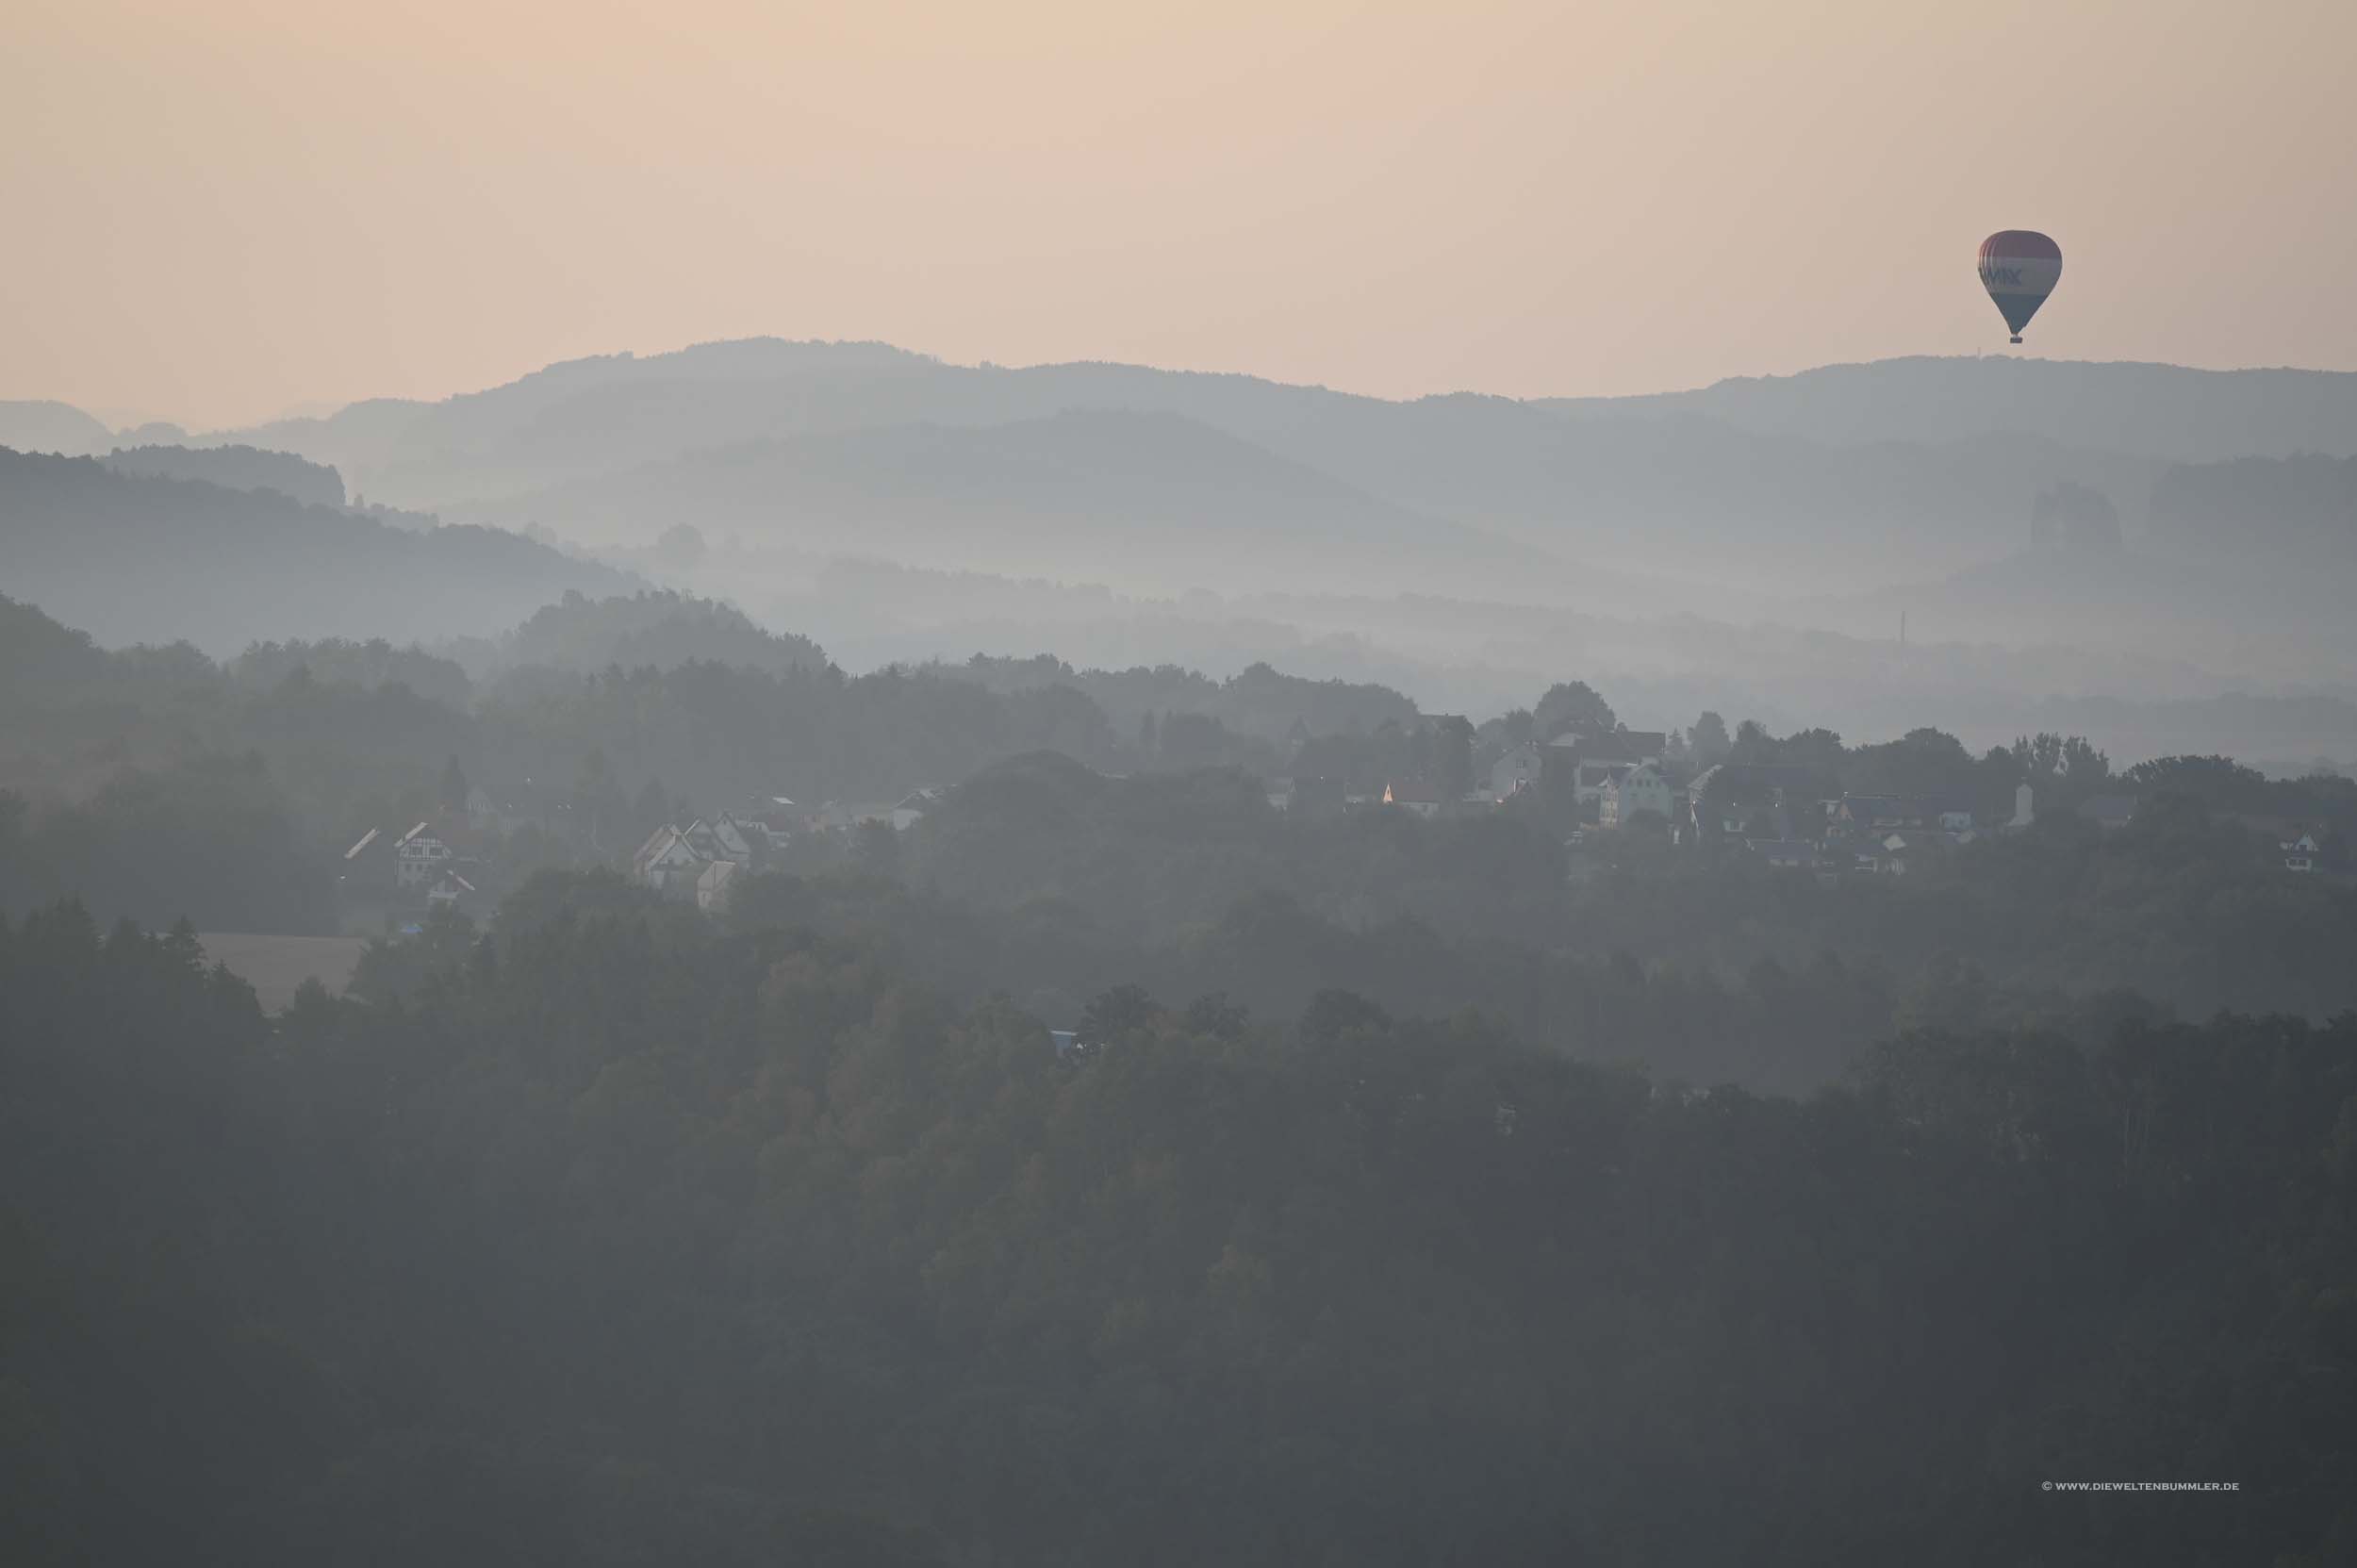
(366, 839)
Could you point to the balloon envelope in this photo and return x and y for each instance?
(2020, 268)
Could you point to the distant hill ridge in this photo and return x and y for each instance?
(139, 558)
(2169, 412)
(1856, 474)
(1085, 495)
(42, 426)
(237, 468)
(2162, 411)
(1907, 457)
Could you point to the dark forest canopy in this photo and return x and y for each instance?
(2188, 906)
(337, 661)
(630, 1237)
(656, 628)
(235, 467)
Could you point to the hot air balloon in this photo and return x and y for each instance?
(2020, 268)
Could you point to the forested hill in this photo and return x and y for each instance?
(636, 1239)
(134, 559)
(1098, 495)
(2292, 512)
(236, 467)
(664, 630)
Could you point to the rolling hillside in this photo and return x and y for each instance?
(133, 558)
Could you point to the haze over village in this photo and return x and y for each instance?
(918, 788)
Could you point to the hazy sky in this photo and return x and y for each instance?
(214, 210)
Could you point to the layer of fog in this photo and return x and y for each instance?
(2157, 557)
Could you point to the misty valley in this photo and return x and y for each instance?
(793, 952)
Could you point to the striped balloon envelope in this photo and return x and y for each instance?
(2020, 268)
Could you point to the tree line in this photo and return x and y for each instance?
(625, 1234)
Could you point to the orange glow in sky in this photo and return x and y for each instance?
(214, 211)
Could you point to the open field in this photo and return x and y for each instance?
(276, 966)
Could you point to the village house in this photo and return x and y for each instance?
(1589, 779)
(1637, 790)
(1421, 799)
(412, 866)
(1517, 771)
(1889, 855)
(667, 861)
(703, 860)
(1870, 816)
(2300, 855)
(450, 892)
(715, 884)
(900, 815)
(772, 819)
(419, 858)
(1593, 760)
(720, 837)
